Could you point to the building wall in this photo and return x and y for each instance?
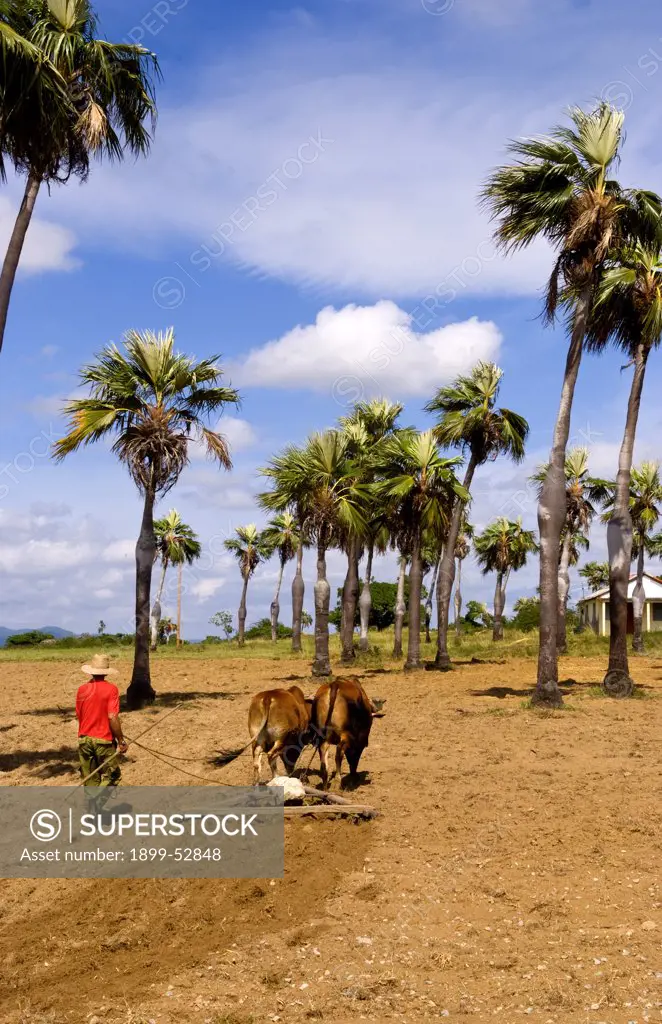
(592, 613)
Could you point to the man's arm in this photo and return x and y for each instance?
(116, 729)
(114, 719)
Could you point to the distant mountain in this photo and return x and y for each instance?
(55, 631)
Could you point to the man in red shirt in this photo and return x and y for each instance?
(99, 728)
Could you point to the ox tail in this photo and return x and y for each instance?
(226, 757)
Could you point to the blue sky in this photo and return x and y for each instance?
(308, 211)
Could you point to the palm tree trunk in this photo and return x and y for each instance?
(15, 248)
(415, 586)
(140, 691)
(350, 596)
(458, 599)
(321, 664)
(156, 609)
(241, 613)
(400, 609)
(446, 576)
(499, 602)
(638, 600)
(180, 569)
(564, 590)
(428, 601)
(365, 600)
(298, 591)
(275, 604)
(619, 542)
(551, 514)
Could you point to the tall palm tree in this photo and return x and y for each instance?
(400, 607)
(106, 108)
(176, 544)
(357, 468)
(644, 509)
(35, 104)
(470, 421)
(628, 310)
(419, 486)
(249, 548)
(503, 548)
(582, 491)
(431, 557)
(559, 189)
(286, 495)
(281, 534)
(375, 419)
(319, 480)
(154, 401)
(462, 550)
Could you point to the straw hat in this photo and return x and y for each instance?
(99, 666)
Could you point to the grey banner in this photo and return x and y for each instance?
(141, 832)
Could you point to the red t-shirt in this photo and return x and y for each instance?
(96, 701)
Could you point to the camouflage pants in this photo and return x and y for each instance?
(92, 754)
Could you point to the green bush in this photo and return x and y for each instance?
(382, 612)
(88, 640)
(262, 631)
(30, 639)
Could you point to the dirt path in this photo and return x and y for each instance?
(514, 872)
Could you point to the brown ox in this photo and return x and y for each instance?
(342, 714)
(278, 722)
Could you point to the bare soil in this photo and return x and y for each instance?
(514, 872)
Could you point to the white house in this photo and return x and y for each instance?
(594, 609)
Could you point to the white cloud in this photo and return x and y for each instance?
(207, 587)
(46, 406)
(239, 434)
(50, 350)
(369, 348)
(119, 551)
(48, 246)
(388, 204)
(240, 180)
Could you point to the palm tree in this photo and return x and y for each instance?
(287, 496)
(462, 549)
(400, 607)
(503, 548)
(369, 422)
(559, 189)
(431, 557)
(469, 421)
(282, 535)
(176, 544)
(644, 508)
(34, 100)
(249, 548)
(106, 99)
(596, 575)
(154, 401)
(581, 492)
(319, 480)
(419, 486)
(358, 453)
(629, 310)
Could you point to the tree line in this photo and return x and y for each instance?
(69, 97)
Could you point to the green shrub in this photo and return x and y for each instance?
(30, 639)
(262, 631)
